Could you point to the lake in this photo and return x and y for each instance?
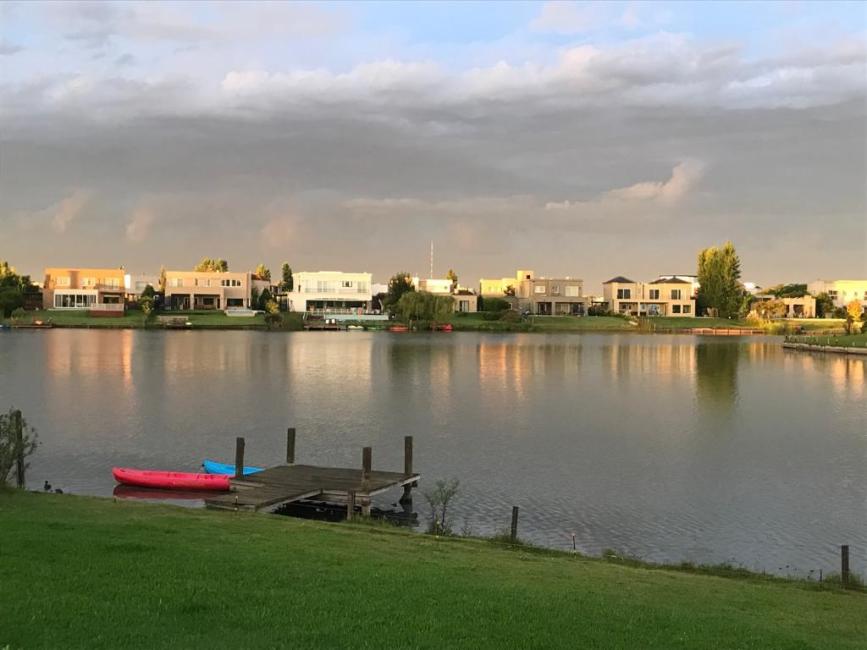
(669, 448)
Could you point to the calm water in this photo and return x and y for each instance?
(669, 448)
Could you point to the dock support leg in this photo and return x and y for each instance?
(514, 532)
(365, 506)
(407, 469)
(239, 457)
(844, 565)
(350, 505)
(18, 432)
(290, 446)
(366, 464)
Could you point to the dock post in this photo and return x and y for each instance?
(18, 428)
(844, 565)
(366, 463)
(407, 469)
(239, 457)
(365, 506)
(350, 505)
(290, 446)
(514, 534)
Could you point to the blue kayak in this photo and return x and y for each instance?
(213, 467)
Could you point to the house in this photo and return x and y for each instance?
(498, 287)
(465, 299)
(331, 292)
(663, 297)
(841, 292)
(800, 307)
(100, 291)
(135, 284)
(692, 279)
(194, 290)
(550, 296)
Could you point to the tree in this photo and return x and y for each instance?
(788, 290)
(769, 309)
(254, 298)
(13, 287)
(10, 447)
(399, 284)
(146, 304)
(288, 283)
(216, 265)
(451, 275)
(824, 306)
(423, 306)
(439, 499)
(509, 291)
(264, 298)
(719, 274)
(263, 272)
(853, 315)
(162, 281)
(148, 292)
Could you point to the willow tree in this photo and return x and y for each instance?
(719, 274)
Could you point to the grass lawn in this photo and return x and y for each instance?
(135, 319)
(843, 341)
(83, 572)
(75, 318)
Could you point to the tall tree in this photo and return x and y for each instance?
(719, 274)
(824, 305)
(853, 315)
(288, 283)
(399, 284)
(451, 275)
(216, 265)
(12, 289)
(162, 281)
(263, 272)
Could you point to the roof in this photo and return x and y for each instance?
(620, 279)
(670, 281)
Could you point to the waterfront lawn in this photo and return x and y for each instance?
(84, 572)
(842, 341)
(80, 318)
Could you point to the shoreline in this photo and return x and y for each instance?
(833, 349)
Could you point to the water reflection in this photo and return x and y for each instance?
(716, 375)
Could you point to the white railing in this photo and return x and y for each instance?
(106, 306)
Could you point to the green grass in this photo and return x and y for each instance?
(842, 341)
(82, 572)
(75, 318)
(135, 319)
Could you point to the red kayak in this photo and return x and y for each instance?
(170, 480)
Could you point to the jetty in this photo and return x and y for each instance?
(290, 482)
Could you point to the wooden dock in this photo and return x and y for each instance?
(290, 482)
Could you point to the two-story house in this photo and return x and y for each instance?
(331, 292)
(663, 297)
(195, 290)
(100, 291)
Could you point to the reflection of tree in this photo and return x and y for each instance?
(717, 375)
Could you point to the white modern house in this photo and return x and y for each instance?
(333, 292)
(842, 292)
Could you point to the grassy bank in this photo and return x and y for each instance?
(80, 572)
(843, 341)
(136, 320)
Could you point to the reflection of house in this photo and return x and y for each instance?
(186, 290)
(465, 299)
(800, 307)
(331, 291)
(663, 297)
(100, 291)
(841, 292)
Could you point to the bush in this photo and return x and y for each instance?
(491, 315)
(510, 316)
(19, 314)
(495, 304)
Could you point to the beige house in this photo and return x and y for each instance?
(465, 299)
(550, 296)
(100, 291)
(842, 292)
(189, 290)
(801, 307)
(497, 287)
(663, 297)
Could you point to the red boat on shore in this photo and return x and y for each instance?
(170, 480)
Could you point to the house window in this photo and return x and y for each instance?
(63, 282)
(654, 294)
(686, 309)
(88, 282)
(624, 294)
(176, 282)
(539, 289)
(675, 309)
(346, 284)
(573, 291)
(555, 289)
(675, 294)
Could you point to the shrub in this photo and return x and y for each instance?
(19, 314)
(510, 316)
(496, 304)
(9, 446)
(438, 499)
(491, 315)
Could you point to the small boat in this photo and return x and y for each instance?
(353, 328)
(398, 328)
(444, 327)
(213, 467)
(170, 480)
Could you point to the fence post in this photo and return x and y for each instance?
(407, 469)
(350, 505)
(514, 533)
(239, 457)
(844, 565)
(290, 446)
(18, 428)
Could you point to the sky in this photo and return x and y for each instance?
(576, 139)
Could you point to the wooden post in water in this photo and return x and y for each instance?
(18, 428)
(290, 446)
(844, 565)
(407, 469)
(350, 505)
(239, 457)
(514, 533)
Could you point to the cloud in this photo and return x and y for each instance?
(8, 49)
(564, 17)
(139, 226)
(684, 177)
(280, 231)
(69, 209)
